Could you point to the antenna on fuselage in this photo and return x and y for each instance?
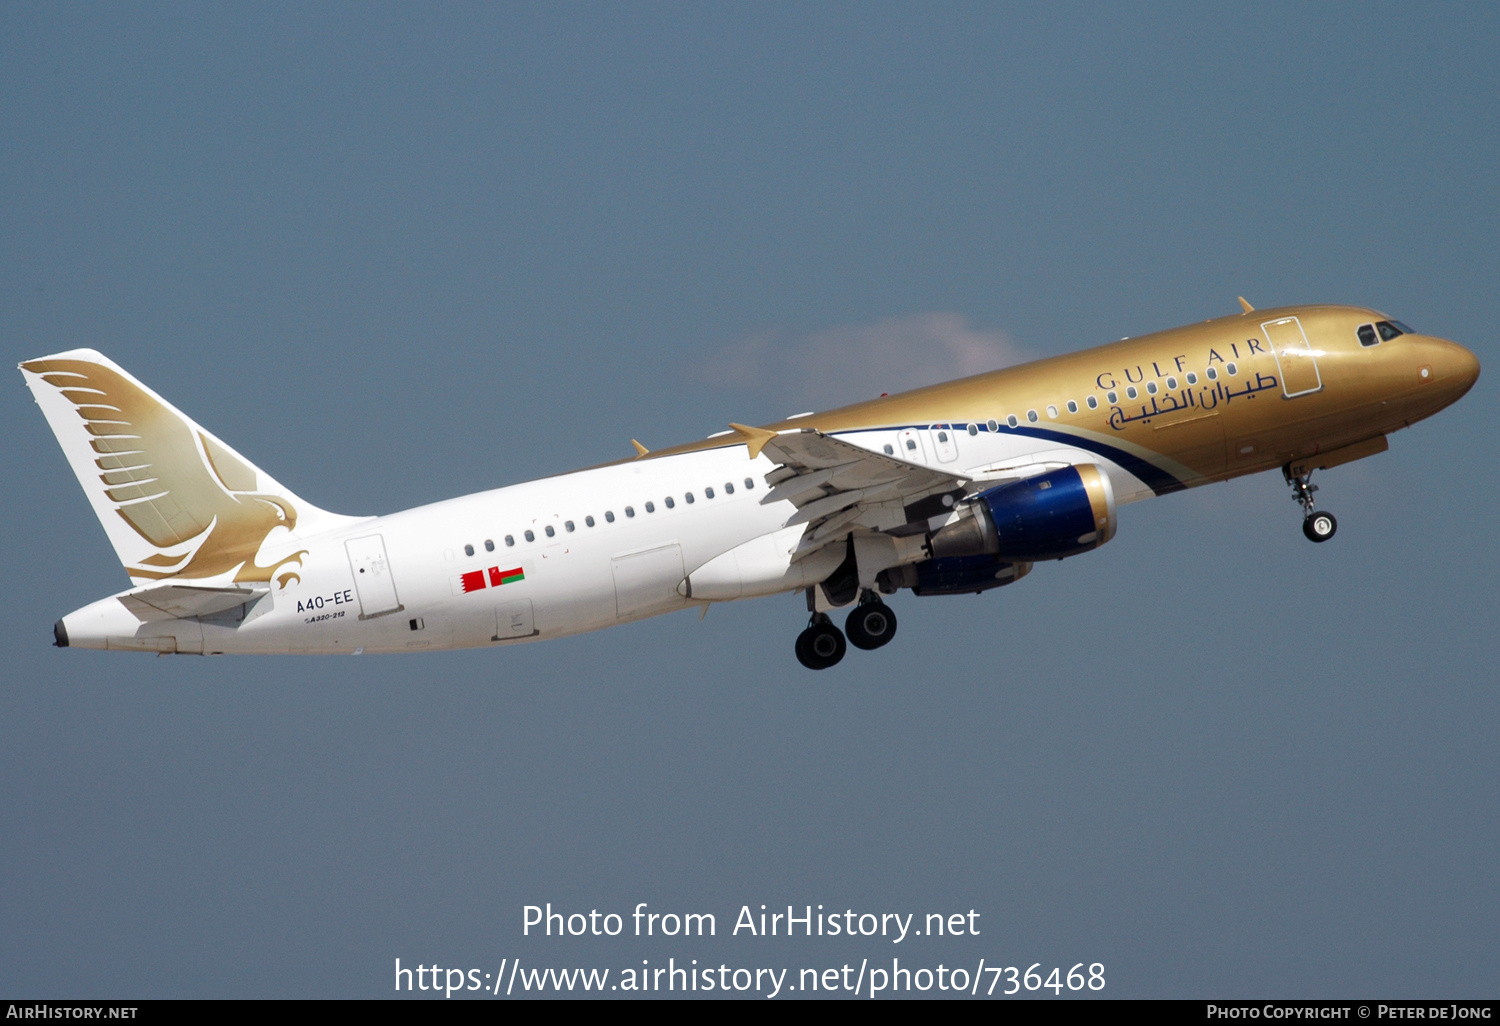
(1246, 306)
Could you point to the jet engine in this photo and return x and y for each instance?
(964, 575)
(1050, 516)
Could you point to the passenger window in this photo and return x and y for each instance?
(1113, 398)
(530, 536)
(1012, 421)
(609, 516)
(468, 550)
(973, 429)
(1366, 334)
(1387, 330)
(510, 541)
(942, 436)
(993, 426)
(1072, 406)
(749, 484)
(1172, 383)
(670, 503)
(708, 493)
(1192, 379)
(1131, 392)
(489, 545)
(1151, 387)
(629, 511)
(589, 520)
(728, 488)
(1032, 416)
(911, 443)
(1052, 411)
(1213, 373)
(569, 525)
(889, 450)
(1232, 369)
(689, 497)
(1093, 402)
(550, 532)
(650, 507)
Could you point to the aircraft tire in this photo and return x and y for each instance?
(820, 646)
(871, 625)
(1319, 527)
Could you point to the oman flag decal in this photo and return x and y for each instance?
(494, 577)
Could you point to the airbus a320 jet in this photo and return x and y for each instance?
(952, 489)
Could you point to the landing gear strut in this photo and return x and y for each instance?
(872, 623)
(821, 645)
(1318, 527)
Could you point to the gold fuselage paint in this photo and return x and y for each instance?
(1196, 404)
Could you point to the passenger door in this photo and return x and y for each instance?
(372, 576)
(1299, 367)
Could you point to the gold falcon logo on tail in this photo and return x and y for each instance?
(205, 510)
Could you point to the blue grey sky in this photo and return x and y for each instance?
(395, 253)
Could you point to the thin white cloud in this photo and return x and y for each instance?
(850, 362)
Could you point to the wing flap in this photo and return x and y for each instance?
(838, 486)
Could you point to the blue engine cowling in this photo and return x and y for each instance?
(965, 575)
(1052, 515)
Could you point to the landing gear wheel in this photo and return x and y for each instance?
(821, 645)
(1319, 527)
(871, 625)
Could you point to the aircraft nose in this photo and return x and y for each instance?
(1455, 367)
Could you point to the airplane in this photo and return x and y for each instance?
(951, 489)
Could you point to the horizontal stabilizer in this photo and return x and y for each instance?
(178, 601)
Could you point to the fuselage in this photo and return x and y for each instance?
(618, 542)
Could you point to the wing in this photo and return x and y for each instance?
(838, 486)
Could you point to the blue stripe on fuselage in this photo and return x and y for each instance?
(1157, 479)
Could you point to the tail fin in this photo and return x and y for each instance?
(174, 500)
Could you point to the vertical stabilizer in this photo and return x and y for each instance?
(175, 501)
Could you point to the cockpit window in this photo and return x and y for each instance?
(1367, 336)
(1387, 330)
(1403, 327)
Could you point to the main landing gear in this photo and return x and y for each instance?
(871, 625)
(1318, 527)
(821, 645)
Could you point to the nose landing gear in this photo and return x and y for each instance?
(1318, 527)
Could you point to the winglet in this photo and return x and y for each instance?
(755, 439)
(640, 450)
(1246, 306)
